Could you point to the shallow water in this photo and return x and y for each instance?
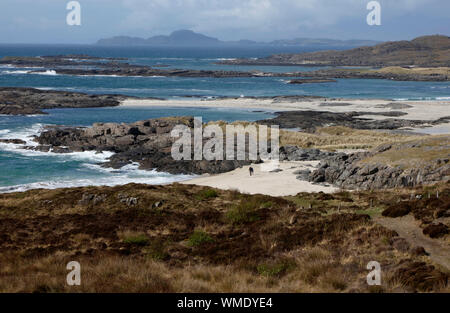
(24, 169)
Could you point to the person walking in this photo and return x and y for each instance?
(251, 170)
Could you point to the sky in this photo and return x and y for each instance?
(44, 21)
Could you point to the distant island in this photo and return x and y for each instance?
(190, 38)
(425, 51)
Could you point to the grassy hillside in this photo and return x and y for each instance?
(426, 51)
(180, 238)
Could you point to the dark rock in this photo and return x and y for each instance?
(61, 150)
(131, 201)
(294, 153)
(41, 148)
(310, 120)
(278, 170)
(303, 174)
(13, 141)
(349, 172)
(88, 199)
(311, 81)
(23, 101)
(394, 106)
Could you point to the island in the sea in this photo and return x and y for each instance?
(190, 38)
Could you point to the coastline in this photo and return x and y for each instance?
(415, 110)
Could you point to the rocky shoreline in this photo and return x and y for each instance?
(309, 120)
(147, 143)
(409, 164)
(87, 65)
(24, 101)
(84, 65)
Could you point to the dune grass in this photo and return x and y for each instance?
(333, 137)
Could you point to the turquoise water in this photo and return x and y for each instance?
(21, 170)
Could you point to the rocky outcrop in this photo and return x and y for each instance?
(310, 120)
(13, 141)
(86, 65)
(23, 101)
(294, 153)
(311, 81)
(374, 170)
(147, 143)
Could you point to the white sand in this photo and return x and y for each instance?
(421, 110)
(278, 184)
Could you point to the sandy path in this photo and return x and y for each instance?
(274, 184)
(408, 228)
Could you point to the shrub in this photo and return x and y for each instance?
(140, 240)
(397, 210)
(275, 269)
(244, 212)
(198, 238)
(157, 250)
(207, 194)
(267, 205)
(337, 283)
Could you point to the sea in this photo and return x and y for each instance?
(22, 170)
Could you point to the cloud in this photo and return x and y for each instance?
(23, 20)
(260, 18)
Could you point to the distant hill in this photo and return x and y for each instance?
(426, 51)
(180, 37)
(190, 38)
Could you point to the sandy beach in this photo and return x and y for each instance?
(416, 110)
(275, 184)
(284, 183)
